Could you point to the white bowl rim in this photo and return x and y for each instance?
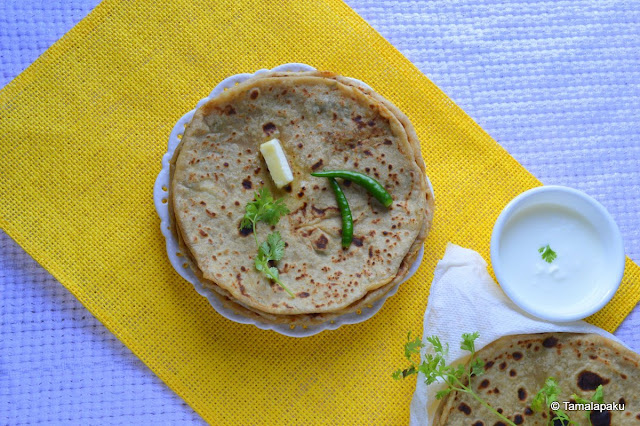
(612, 234)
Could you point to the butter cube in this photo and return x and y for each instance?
(277, 162)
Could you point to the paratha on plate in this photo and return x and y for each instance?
(516, 367)
(322, 122)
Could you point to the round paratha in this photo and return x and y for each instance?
(322, 121)
(516, 367)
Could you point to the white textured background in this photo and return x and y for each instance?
(557, 83)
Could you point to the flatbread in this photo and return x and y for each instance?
(217, 168)
(516, 367)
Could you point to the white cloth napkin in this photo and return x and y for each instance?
(464, 299)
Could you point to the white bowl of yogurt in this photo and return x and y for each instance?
(557, 253)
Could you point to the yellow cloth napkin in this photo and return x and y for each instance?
(83, 131)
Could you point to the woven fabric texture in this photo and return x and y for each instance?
(91, 117)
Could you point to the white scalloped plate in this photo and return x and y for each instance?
(160, 193)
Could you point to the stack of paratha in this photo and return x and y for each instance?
(323, 121)
(516, 368)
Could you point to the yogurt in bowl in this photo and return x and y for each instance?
(557, 253)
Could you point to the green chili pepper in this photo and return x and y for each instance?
(345, 212)
(370, 184)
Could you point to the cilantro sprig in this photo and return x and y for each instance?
(434, 367)
(547, 395)
(271, 250)
(263, 209)
(548, 255)
(268, 210)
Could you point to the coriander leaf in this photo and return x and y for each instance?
(435, 342)
(273, 273)
(274, 212)
(537, 403)
(459, 371)
(401, 374)
(245, 223)
(412, 347)
(264, 250)
(276, 244)
(437, 346)
(552, 390)
(264, 196)
(265, 208)
(397, 375)
(250, 214)
(477, 367)
(546, 395)
(430, 368)
(251, 209)
(272, 249)
(261, 263)
(598, 396)
(548, 255)
(441, 394)
(468, 340)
